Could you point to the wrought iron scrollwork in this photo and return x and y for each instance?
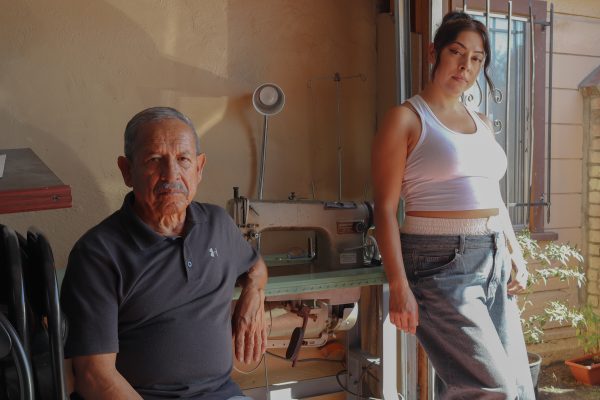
(469, 98)
(497, 95)
(497, 126)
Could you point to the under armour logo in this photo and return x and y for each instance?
(213, 252)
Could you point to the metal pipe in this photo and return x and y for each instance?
(337, 79)
(400, 30)
(520, 121)
(531, 106)
(507, 103)
(550, 111)
(407, 51)
(22, 363)
(475, 13)
(263, 158)
(530, 204)
(486, 88)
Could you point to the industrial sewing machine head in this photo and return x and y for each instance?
(340, 228)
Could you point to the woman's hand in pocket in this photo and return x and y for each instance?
(518, 280)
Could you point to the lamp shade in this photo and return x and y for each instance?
(268, 99)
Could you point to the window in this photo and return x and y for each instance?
(514, 184)
(524, 188)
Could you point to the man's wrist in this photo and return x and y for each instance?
(249, 287)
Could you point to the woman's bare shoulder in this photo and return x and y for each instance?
(403, 118)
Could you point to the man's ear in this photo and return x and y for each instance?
(200, 161)
(125, 167)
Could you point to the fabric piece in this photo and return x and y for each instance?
(450, 226)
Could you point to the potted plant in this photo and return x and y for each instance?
(554, 260)
(586, 369)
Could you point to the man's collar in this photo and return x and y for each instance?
(143, 235)
(195, 214)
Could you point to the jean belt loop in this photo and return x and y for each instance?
(461, 244)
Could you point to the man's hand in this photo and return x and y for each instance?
(518, 282)
(249, 328)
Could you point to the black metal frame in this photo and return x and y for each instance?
(17, 337)
(33, 296)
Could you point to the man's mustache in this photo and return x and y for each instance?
(170, 187)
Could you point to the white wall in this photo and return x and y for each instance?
(72, 73)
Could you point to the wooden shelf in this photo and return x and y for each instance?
(29, 185)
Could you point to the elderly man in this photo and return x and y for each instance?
(148, 291)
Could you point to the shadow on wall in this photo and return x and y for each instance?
(293, 43)
(232, 153)
(72, 73)
(54, 223)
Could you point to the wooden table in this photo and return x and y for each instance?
(29, 185)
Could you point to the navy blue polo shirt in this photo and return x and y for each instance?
(162, 304)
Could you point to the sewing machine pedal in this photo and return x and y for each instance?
(298, 336)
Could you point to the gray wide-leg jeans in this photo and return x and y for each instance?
(468, 325)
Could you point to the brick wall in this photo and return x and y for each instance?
(591, 131)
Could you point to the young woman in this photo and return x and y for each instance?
(454, 265)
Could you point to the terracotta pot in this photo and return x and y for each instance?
(584, 370)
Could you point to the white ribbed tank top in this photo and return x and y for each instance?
(452, 171)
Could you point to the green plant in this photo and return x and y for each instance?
(561, 261)
(588, 331)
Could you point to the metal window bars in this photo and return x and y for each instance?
(522, 198)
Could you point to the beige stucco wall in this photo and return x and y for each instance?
(72, 72)
(575, 56)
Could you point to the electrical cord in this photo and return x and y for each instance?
(252, 370)
(365, 371)
(337, 375)
(345, 389)
(360, 380)
(261, 359)
(305, 359)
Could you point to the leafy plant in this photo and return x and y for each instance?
(561, 261)
(588, 331)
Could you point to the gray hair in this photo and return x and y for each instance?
(154, 114)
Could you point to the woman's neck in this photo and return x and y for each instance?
(439, 99)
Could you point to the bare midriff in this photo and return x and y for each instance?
(462, 214)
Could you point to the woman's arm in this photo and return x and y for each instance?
(388, 162)
(519, 278)
(518, 282)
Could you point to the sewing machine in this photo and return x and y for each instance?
(309, 307)
(340, 227)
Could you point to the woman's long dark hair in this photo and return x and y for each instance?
(452, 25)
